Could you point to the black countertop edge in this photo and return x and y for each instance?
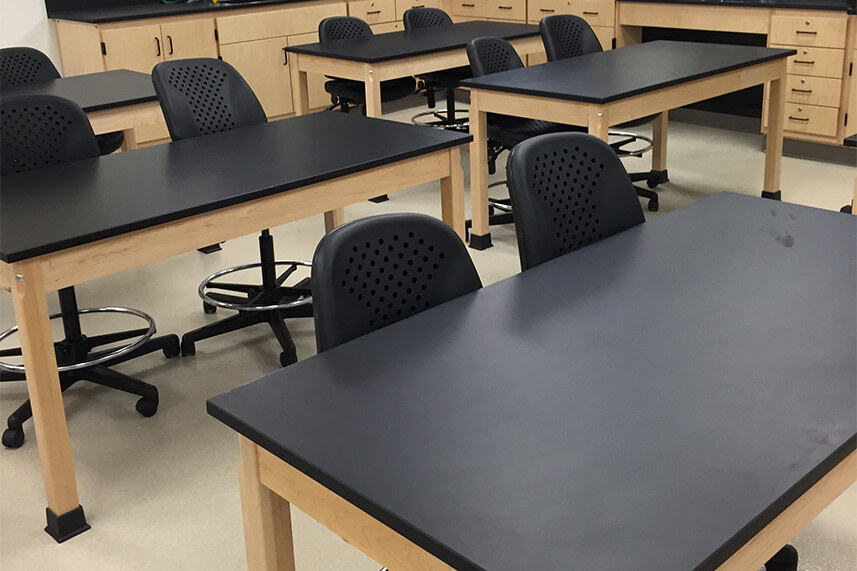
(830, 5)
(155, 10)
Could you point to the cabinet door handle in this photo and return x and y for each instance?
(585, 13)
(158, 45)
(796, 90)
(285, 56)
(804, 119)
(547, 10)
(373, 12)
(806, 61)
(505, 7)
(468, 5)
(170, 40)
(807, 32)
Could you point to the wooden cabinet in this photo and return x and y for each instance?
(599, 14)
(254, 43)
(140, 47)
(404, 5)
(814, 90)
(264, 64)
(373, 11)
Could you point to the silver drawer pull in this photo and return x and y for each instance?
(796, 90)
(804, 119)
(807, 62)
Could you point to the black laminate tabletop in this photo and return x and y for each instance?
(647, 402)
(616, 74)
(75, 203)
(396, 45)
(95, 91)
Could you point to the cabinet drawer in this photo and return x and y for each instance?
(404, 5)
(385, 27)
(373, 11)
(823, 91)
(507, 9)
(811, 119)
(820, 62)
(275, 23)
(472, 8)
(808, 31)
(596, 12)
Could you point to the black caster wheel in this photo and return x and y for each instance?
(173, 350)
(287, 359)
(208, 308)
(147, 407)
(653, 206)
(13, 437)
(188, 348)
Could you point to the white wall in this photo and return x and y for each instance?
(25, 23)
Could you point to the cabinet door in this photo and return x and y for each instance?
(137, 48)
(188, 39)
(318, 97)
(264, 65)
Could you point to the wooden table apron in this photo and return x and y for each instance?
(30, 280)
(126, 118)
(270, 485)
(599, 117)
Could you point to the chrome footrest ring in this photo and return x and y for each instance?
(245, 307)
(118, 352)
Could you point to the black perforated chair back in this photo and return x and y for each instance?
(342, 28)
(423, 18)
(492, 55)
(376, 271)
(38, 131)
(565, 36)
(203, 96)
(20, 66)
(568, 190)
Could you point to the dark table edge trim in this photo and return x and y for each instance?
(346, 57)
(119, 104)
(475, 84)
(187, 213)
(427, 543)
(780, 504)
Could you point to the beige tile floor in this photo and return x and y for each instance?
(161, 493)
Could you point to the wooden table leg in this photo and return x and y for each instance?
(130, 142)
(64, 513)
(599, 124)
(372, 87)
(334, 218)
(480, 234)
(452, 194)
(267, 518)
(659, 135)
(774, 144)
(300, 88)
